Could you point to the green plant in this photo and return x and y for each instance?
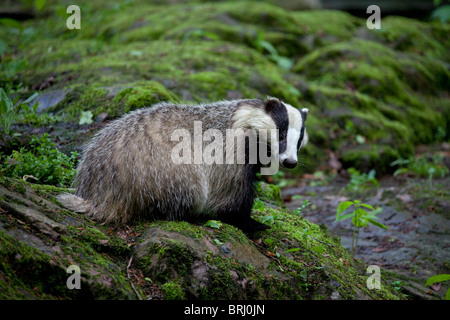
(9, 109)
(440, 278)
(262, 45)
(270, 219)
(43, 162)
(302, 207)
(360, 218)
(213, 224)
(441, 13)
(358, 179)
(86, 117)
(258, 205)
(173, 291)
(423, 166)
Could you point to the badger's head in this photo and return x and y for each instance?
(273, 114)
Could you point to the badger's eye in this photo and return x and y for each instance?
(283, 135)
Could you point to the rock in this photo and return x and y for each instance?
(48, 99)
(38, 244)
(39, 241)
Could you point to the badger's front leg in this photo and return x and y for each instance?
(237, 212)
(242, 220)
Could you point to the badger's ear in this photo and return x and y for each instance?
(304, 113)
(272, 105)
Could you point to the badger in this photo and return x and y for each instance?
(134, 168)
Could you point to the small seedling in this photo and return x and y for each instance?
(360, 218)
(360, 180)
(300, 209)
(9, 109)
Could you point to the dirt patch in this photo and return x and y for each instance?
(417, 243)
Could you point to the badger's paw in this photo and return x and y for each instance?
(251, 226)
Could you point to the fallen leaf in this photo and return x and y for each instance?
(379, 249)
(404, 197)
(436, 286)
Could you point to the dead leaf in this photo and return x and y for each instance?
(379, 249)
(334, 163)
(404, 197)
(436, 286)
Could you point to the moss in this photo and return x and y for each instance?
(81, 98)
(370, 156)
(143, 95)
(28, 273)
(311, 261)
(403, 34)
(269, 193)
(13, 184)
(182, 227)
(173, 291)
(307, 259)
(384, 94)
(168, 260)
(321, 26)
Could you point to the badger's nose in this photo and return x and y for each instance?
(289, 163)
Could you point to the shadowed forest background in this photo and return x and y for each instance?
(378, 126)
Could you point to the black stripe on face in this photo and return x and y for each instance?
(302, 130)
(278, 113)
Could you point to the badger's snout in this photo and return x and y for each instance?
(289, 163)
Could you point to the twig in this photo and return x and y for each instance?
(330, 245)
(131, 282)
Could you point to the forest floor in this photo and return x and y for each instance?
(415, 210)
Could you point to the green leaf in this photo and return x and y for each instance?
(269, 47)
(31, 98)
(400, 171)
(342, 207)
(11, 23)
(359, 223)
(39, 4)
(361, 212)
(367, 206)
(292, 250)
(400, 162)
(213, 224)
(345, 216)
(3, 47)
(318, 249)
(268, 219)
(86, 117)
(438, 278)
(377, 224)
(284, 62)
(360, 139)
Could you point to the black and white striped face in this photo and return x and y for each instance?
(290, 123)
(275, 115)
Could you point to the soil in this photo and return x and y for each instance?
(417, 243)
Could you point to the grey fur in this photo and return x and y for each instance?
(126, 171)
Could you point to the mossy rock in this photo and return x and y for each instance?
(382, 93)
(127, 56)
(38, 242)
(295, 259)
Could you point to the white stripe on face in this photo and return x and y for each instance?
(293, 134)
